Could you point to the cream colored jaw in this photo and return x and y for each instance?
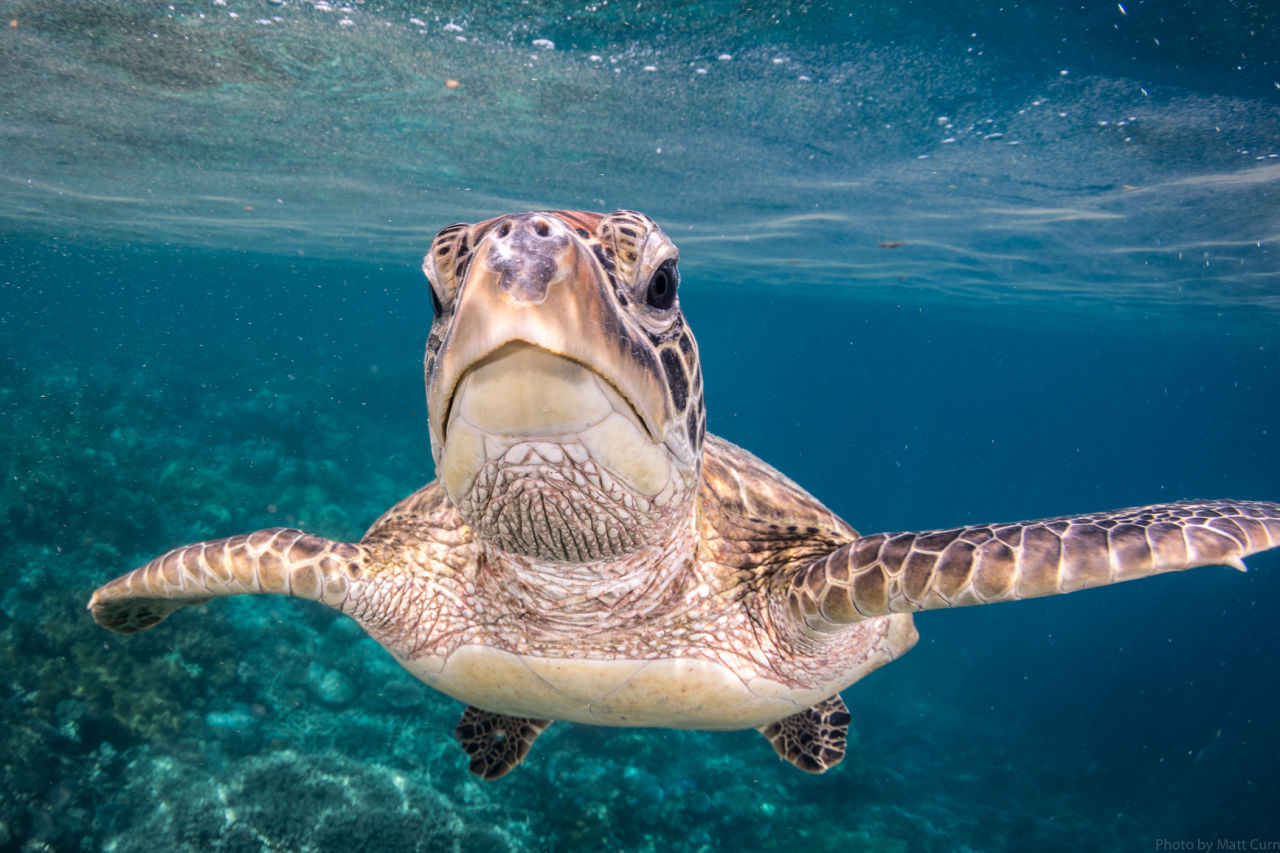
(523, 394)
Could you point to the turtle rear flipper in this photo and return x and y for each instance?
(813, 739)
(280, 560)
(980, 564)
(496, 743)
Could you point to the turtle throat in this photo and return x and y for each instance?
(546, 459)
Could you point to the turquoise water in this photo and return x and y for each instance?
(212, 321)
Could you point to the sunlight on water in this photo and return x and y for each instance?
(794, 143)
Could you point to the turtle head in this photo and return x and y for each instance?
(563, 383)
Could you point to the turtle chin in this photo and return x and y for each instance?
(545, 458)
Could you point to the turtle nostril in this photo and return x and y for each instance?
(505, 229)
(541, 228)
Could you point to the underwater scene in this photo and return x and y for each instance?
(947, 264)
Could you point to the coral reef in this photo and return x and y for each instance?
(306, 802)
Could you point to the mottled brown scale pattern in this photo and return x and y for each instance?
(735, 556)
(496, 743)
(889, 573)
(421, 560)
(814, 739)
(450, 252)
(280, 560)
(622, 236)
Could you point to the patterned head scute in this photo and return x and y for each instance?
(444, 263)
(622, 236)
(597, 290)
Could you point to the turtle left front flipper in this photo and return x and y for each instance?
(496, 743)
(280, 560)
(980, 564)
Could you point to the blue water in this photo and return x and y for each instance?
(211, 321)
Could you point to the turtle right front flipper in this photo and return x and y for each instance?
(980, 564)
(280, 560)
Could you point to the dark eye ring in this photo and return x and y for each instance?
(661, 293)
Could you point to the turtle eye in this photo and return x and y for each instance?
(436, 308)
(661, 293)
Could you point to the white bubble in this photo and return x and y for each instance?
(545, 44)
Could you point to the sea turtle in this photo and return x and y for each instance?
(589, 553)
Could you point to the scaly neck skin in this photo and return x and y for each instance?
(594, 595)
(551, 502)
